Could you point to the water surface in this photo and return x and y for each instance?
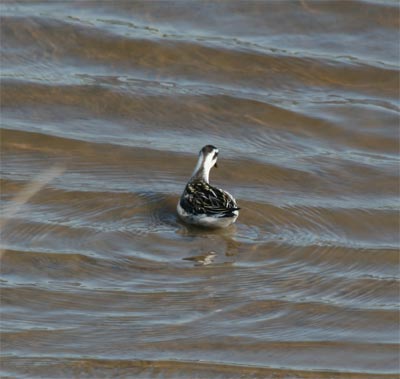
(100, 278)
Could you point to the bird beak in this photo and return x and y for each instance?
(216, 166)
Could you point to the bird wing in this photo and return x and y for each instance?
(201, 198)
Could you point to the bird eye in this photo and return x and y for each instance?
(215, 155)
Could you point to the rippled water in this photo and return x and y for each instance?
(115, 98)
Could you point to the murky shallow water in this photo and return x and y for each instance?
(100, 279)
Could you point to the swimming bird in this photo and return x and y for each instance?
(203, 204)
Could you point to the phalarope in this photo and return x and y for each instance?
(203, 204)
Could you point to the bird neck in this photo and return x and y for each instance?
(202, 170)
(201, 174)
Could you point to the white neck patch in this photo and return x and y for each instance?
(204, 165)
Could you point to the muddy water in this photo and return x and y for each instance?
(115, 98)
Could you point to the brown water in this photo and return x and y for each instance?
(100, 279)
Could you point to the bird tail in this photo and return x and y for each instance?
(229, 212)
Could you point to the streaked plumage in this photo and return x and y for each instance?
(203, 204)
